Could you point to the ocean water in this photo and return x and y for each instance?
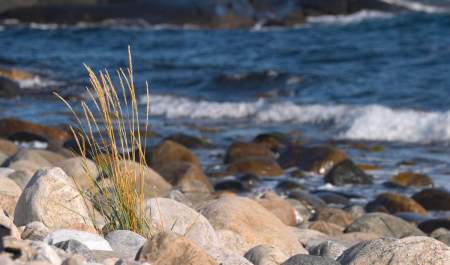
(376, 78)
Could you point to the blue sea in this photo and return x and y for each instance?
(380, 79)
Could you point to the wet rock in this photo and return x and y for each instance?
(346, 172)
(168, 215)
(8, 88)
(310, 200)
(232, 241)
(410, 179)
(275, 141)
(154, 184)
(259, 166)
(429, 226)
(332, 198)
(308, 259)
(442, 235)
(170, 151)
(298, 174)
(242, 150)
(187, 176)
(334, 216)
(9, 127)
(252, 221)
(433, 199)
(394, 203)
(288, 185)
(8, 147)
(250, 181)
(73, 246)
(303, 213)
(319, 160)
(82, 171)
(384, 225)
(35, 231)
(388, 251)
(169, 248)
(265, 255)
(326, 228)
(91, 241)
(231, 184)
(125, 243)
(190, 141)
(9, 194)
(328, 249)
(50, 199)
(280, 208)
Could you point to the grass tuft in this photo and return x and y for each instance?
(109, 129)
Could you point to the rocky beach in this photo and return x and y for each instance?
(281, 133)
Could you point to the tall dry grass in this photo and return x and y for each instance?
(109, 129)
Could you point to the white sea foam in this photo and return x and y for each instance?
(418, 6)
(36, 82)
(348, 19)
(369, 122)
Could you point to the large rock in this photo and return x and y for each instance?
(394, 203)
(329, 249)
(91, 241)
(410, 179)
(8, 147)
(265, 255)
(319, 159)
(190, 141)
(9, 194)
(240, 150)
(187, 176)
(280, 208)
(252, 221)
(384, 225)
(125, 243)
(433, 199)
(259, 166)
(346, 172)
(326, 228)
(11, 127)
(388, 251)
(8, 88)
(83, 171)
(442, 235)
(50, 199)
(429, 226)
(170, 151)
(334, 215)
(309, 260)
(169, 215)
(167, 248)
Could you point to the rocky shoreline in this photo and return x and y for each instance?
(205, 13)
(202, 216)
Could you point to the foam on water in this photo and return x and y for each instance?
(37, 82)
(348, 19)
(417, 6)
(369, 122)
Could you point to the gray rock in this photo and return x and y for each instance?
(125, 243)
(265, 255)
(224, 256)
(384, 225)
(329, 249)
(35, 231)
(442, 235)
(72, 246)
(302, 259)
(91, 241)
(347, 172)
(389, 251)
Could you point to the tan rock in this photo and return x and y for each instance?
(232, 241)
(170, 151)
(335, 216)
(280, 208)
(265, 255)
(81, 170)
(326, 228)
(9, 194)
(187, 176)
(395, 203)
(240, 150)
(259, 166)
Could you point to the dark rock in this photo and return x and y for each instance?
(233, 185)
(308, 199)
(332, 198)
(319, 159)
(288, 185)
(72, 246)
(347, 172)
(259, 166)
(190, 141)
(188, 176)
(384, 225)
(302, 259)
(250, 181)
(275, 141)
(433, 199)
(442, 235)
(298, 174)
(409, 179)
(9, 88)
(394, 203)
(429, 226)
(241, 150)
(315, 7)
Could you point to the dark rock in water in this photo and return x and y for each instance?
(9, 88)
(190, 141)
(347, 172)
(231, 185)
(307, 199)
(72, 246)
(169, 151)
(298, 174)
(394, 203)
(26, 137)
(442, 235)
(9, 127)
(334, 215)
(259, 166)
(187, 176)
(409, 179)
(319, 159)
(433, 199)
(288, 185)
(241, 150)
(384, 225)
(336, 7)
(250, 181)
(302, 259)
(332, 198)
(429, 226)
(275, 141)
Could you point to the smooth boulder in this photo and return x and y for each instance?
(346, 172)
